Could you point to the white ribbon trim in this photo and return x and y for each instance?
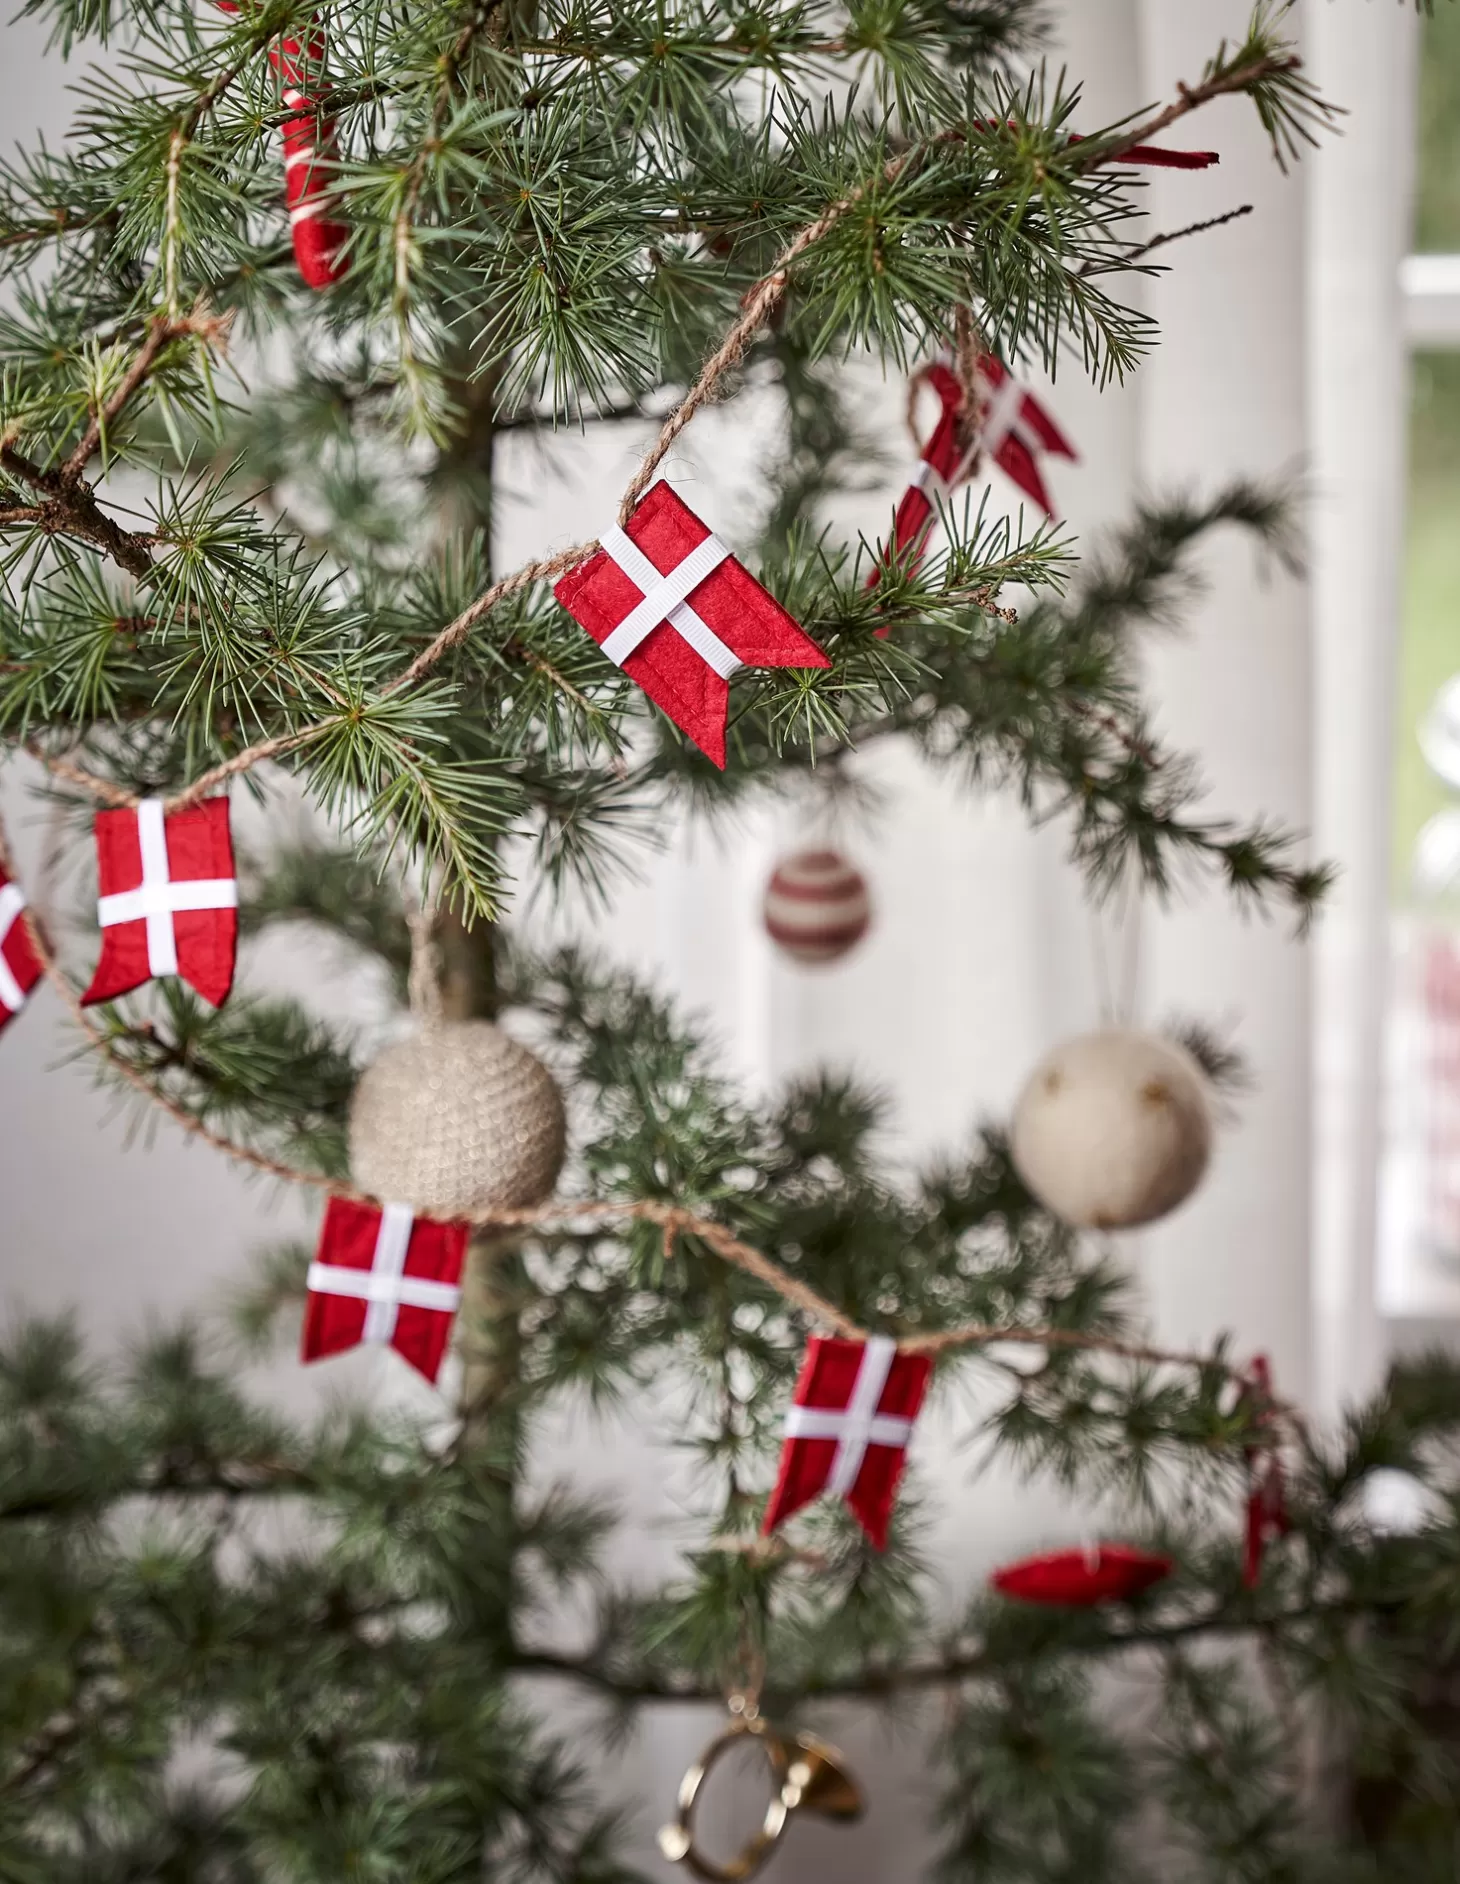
(859, 1424)
(1005, 409)
(157, 899)
(664, 600)
(384, 1285)
(12, 901)
(928, 479)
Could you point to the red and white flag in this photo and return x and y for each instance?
(310, 156)
(383, 1274)
(669, 604)
(20, 967)
(1016, 431)
(169, 899)
(848, 1429)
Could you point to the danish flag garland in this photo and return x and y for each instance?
(847, 1430)
(20, 967)
(169, 899)
(669, 604)
(310, 154)
(382, 1274)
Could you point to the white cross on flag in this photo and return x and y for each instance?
(383, 1274)
(848, 1428)
(169, 899)
(20, 967)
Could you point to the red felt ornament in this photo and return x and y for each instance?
(169, 899)
(1079, 1579)
(1157, 157)
(20, 966)
(1016, 431)
(382, 1274)
(847, 1430)
(1267, 1518)
(669, 604)
(1153, 156)
(310, 156)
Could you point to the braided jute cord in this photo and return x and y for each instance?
(674, 1219)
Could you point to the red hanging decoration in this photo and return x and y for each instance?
(847, 1429)
(669, 604)
(1016, 432)
(1157, 157)
(1079, 1579)
(1267, 1518)
(1152, 156)
(310, 156)
(168, 901)
(20, 966)
(382, 1274)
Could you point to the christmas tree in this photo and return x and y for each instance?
(275, 307)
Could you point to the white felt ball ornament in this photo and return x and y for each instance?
(1114, 1129)
(816, 906)
(456, 1119)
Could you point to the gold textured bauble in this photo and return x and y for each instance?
(459, 1118)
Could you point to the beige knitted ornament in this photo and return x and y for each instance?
(458, 1118)
(1114, 1129)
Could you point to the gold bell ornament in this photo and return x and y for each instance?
(806, 1775)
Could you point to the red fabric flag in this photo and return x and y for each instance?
(20, 967)
(1016, 429)
(669, 604)
(169, 899)
(1079, 1579)
(382, 1274)
(847, 1429)
(1267, 1517)
(310, 156)
(1157, 157)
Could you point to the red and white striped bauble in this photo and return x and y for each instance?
(817, 906)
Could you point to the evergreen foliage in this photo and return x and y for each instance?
(234, 1649)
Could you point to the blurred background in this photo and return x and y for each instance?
(1317, 338)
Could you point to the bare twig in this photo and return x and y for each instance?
(72, 510)
(1130, 257)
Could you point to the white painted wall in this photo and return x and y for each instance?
(983, 954)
